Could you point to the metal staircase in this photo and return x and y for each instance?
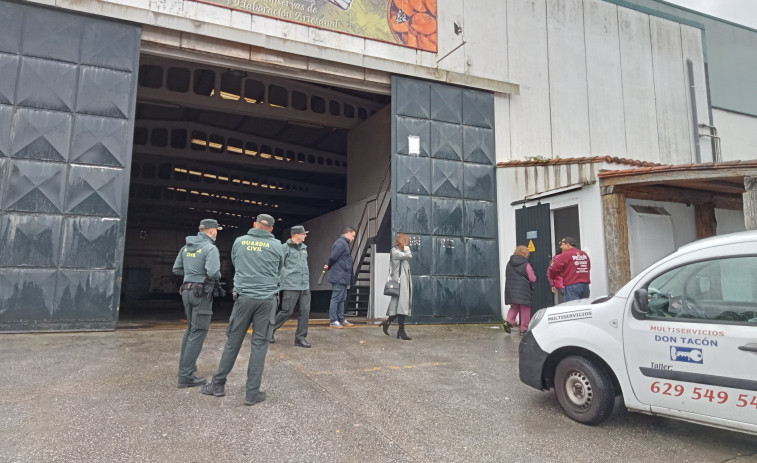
(364, 249)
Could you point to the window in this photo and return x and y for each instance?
(721, 289)
(178, 80)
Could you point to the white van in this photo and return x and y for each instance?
(679, 340)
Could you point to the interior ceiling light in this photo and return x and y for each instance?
(229, 96)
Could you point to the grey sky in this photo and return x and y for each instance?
(738, 11)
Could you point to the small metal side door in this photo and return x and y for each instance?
(695, 351)
(533, 226)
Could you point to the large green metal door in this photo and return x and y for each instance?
(67, 99)
(443, 196)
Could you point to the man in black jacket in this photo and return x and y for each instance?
(340, 276)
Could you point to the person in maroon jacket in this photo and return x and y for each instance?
(574, 267)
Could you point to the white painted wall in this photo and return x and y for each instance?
(604, 79)
(324, 230)
(599, 79)
(510, 183)
(369, 148)
(729, 221)
(738, 135)
(380, 276)
(595, 78)
(530, 129)
(684, 230)
(638, 85)
(469, 53)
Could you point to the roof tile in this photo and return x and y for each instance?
(579, 160)
(672, 168)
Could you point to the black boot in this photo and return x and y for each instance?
(385, 324)
(401, 332)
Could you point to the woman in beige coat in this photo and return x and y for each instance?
(399, 268)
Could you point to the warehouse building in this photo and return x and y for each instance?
(123, 123)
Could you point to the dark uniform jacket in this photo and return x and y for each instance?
(257, 260)
(295, 274)
(340, 262)
(197, 259)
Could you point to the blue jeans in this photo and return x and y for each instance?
(576, 291)
(336, 307)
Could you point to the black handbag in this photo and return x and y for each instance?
(392, 288)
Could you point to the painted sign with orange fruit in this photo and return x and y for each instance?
(411, 23)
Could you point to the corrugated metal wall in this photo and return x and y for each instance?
(67, 99)
(443, 196)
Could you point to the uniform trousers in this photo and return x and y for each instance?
(260, 314)
(289, 300)
(198, 311)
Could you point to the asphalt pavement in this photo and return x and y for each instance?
(451, 394)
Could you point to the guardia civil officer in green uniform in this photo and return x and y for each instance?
(295, 285)
(257, 260)
(200, 263)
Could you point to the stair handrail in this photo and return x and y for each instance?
(366, 233)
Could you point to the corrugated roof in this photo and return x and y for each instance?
(583, 160)
(673, 168)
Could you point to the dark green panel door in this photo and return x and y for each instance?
(443, 196)
(533, 226)
(67, 102)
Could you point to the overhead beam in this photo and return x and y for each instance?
(237, 208)
(331, 163)
(241, 183)
(688, 174)
(675, 195)
(237, 100)
(229, 189)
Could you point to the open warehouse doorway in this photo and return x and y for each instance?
(223, 143)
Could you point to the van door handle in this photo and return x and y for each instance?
(749, 347)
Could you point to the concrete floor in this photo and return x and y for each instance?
(450, 394)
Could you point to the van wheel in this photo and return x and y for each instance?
(584, 390)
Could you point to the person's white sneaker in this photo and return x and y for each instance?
(336, 325)
(346, 323)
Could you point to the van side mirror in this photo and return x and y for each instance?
(640, 305)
